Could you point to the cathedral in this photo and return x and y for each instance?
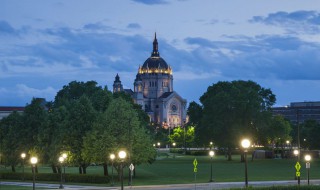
(153, 90)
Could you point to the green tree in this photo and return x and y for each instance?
(75, 109)
(79, 121)
(54, 134)
(35, 124)
(100, 98)
(183, 137)
(119, 128)
(195, 113)
(231, 111)
(11, 133)
(278, 132)
(310, 131)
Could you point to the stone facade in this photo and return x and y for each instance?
(153, 90)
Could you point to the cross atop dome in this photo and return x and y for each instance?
(155, 52)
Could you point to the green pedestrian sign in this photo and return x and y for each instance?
(195, 163)
(297, 166)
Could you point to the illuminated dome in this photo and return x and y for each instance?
(155, 64)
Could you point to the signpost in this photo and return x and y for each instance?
(298, 167)
(195, 170)
(131, 167)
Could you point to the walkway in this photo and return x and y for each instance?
(199, 186)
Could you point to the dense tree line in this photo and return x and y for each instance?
(230, 111)
(89, 123)
(85, 121)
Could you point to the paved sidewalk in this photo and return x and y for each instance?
(199, 186)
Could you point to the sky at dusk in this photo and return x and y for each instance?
(44, 45)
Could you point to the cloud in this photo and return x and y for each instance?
(5, 27)
(26, 91)
(264, 56)
(298, 21)
(151, 2)
(95, 51)
(134, 26)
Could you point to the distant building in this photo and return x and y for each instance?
(153, 90)
(298, 112)
(5, 111)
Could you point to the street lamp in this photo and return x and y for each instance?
(245, 143)
(61, 159)
(34, 161)
(308, 158)
(288, 144)
(158, 148)
(122, 155)
(112, 157)
(64, 155)
(296, 153)
(211, 154)
(174, 145)
(211, 143)
(23, 156)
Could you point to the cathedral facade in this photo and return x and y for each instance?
(153, 90)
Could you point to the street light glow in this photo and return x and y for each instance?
(64, 155)
(307, 157)
(112, 156)
(61, 159)
(245, 143)
(296, 152)
(23, 155)
(122, 154)
(34, 160)
(211, 153)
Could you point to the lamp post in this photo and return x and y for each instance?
(112, 157)
(34, 161)
(61, 159)
(308, 158)
(122, 155)
(211, 143)
(245, 143)
(23, 156)
(211, 154)
(158, 148)
(296, 153)
(174, 145)
(64, 155)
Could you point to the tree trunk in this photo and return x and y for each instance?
(13, 168)
(105, 169)
(59, 169)
(54, 168)
(229, 154)
(84, 168)
(134, 173)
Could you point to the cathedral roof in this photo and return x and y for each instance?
(155, 64)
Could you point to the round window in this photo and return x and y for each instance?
(174, 108)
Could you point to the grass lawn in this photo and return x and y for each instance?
(12, 187)
(180, 170)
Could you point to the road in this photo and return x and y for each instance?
(199, 186)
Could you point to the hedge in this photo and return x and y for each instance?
(74, 178)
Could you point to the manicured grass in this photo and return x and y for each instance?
(12, 187)
(180, 170)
